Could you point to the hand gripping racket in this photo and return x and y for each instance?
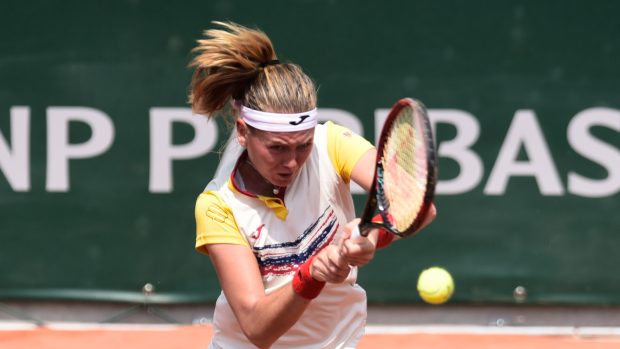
(406, 172)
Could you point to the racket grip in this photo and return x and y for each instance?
(356, 232)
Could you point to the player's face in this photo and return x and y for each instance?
(278, 156)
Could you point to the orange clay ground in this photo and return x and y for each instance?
(197, 337)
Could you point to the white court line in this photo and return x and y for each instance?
(486, 330)
(77, 326)
(82, 326)
(16, 326)
(370, 329)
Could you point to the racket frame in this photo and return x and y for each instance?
(376, 197)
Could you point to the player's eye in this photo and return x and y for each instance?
(305, 146)
(277, 148)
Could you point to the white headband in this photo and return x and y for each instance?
(276, 122)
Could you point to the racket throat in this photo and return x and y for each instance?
(381, 202)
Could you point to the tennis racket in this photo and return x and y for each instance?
(406, 172)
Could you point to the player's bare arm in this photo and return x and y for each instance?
(266, 317)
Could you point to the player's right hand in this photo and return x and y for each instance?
(330, 266)
(357, 251)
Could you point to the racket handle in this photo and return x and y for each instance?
(356, 232)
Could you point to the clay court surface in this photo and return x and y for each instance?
(30, 325)
(69, 336)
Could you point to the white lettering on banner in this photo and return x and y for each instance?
(163, 151)
(582, 141)
(15, 159)
(524, 131)
(458, 149)
(60, 151)
(380, 117)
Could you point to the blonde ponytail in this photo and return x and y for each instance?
(238, 63)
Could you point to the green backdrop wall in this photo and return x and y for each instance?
(100, 162)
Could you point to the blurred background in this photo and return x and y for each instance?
(101, 159)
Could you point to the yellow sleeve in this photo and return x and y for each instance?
(345, 148)
(215, 223)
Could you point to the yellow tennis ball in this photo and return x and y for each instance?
(435, 285)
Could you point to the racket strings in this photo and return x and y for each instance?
(405, 170)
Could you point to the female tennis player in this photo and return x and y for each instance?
(277, 217)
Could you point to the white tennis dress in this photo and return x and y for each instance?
(317, 205)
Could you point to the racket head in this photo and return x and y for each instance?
(406, 171)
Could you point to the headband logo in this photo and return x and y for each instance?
(301, 119)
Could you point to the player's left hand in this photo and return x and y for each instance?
(357, 251)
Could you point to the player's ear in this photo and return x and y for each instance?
(242, 132)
